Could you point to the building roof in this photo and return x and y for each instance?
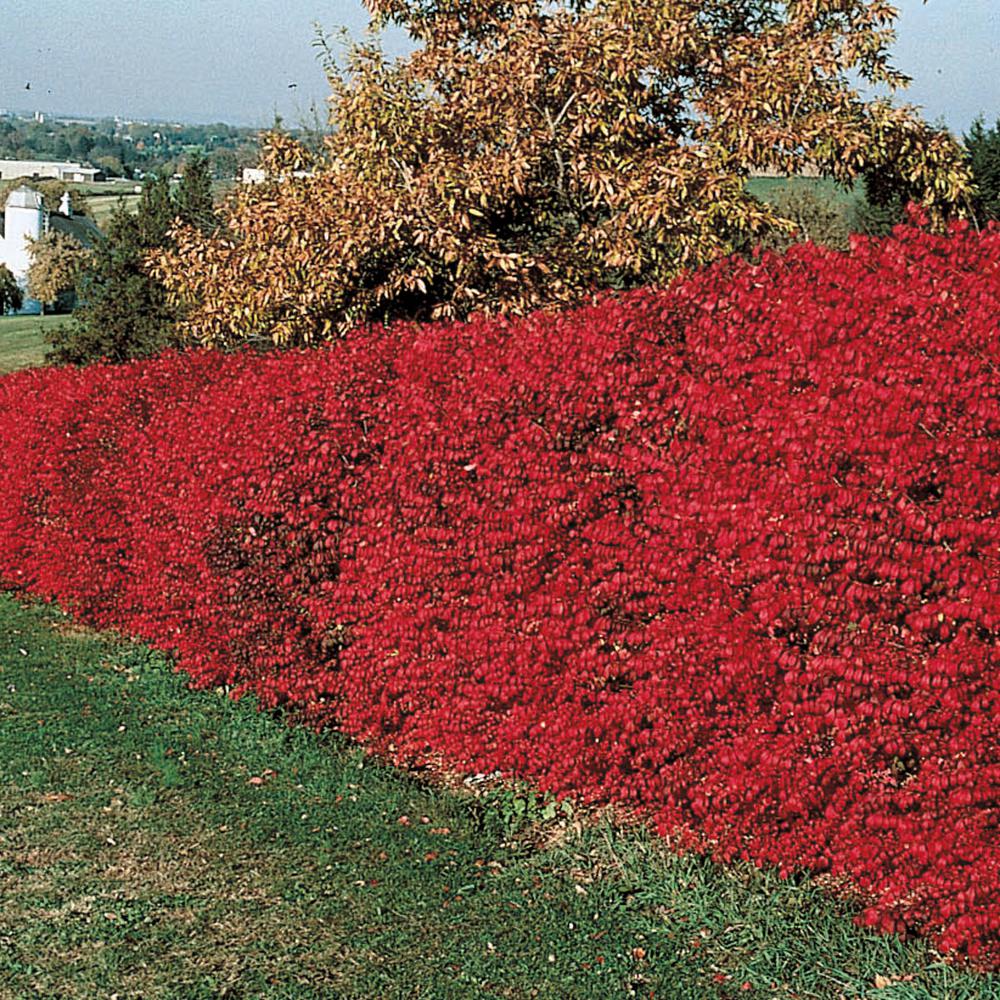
(43, 168)
(82, 229)
(24, 197)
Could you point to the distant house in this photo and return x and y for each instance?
(40, 169)
(24, 218)
(258, 175)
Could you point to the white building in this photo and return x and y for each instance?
(258, 175)
(24, 218)
(38, 169)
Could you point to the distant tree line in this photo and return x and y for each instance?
(129, 149)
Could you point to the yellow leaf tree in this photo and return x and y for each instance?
(57, 262)
(527, 154)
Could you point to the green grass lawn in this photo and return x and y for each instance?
(159, 842)
(22, 340)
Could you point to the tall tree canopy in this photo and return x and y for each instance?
(529, 152)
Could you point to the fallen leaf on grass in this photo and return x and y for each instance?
(882, 982)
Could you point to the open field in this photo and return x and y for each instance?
(22, 340)
(102, 206)
(159, 842)
(102, 199)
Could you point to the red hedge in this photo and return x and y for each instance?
(728, 552)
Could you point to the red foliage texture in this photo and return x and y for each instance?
(727, 553)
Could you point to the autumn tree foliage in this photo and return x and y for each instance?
(528, 153)
(57, 263)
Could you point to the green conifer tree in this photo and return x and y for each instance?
(194, 204)
(983, 147)
(123, 313)
(11, 297)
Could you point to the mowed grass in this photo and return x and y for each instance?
(163, 843)
(22, 340)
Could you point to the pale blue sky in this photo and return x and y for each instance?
(233, 60)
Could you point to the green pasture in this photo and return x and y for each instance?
(102, 206)
(160, 842)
